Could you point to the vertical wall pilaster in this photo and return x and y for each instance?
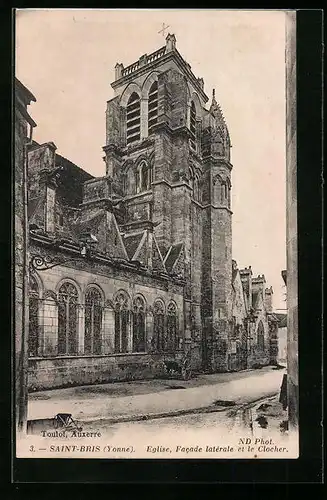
(130, 333)
(50, 328)
(108, 335)
(149, 329)
(40, 339)
(80, 329)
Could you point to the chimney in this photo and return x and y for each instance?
(259, 282)
(48, 185)
(246, 278)
(40, 156)
(268, 299)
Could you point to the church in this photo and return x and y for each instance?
(136, 266)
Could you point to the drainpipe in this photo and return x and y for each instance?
(23, 361)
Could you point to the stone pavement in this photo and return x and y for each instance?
(91, 405)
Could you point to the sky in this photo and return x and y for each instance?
(66, 58)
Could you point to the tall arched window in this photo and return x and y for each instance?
(171, 327)
(138, 325)
(196, 188)
(93, 321)
(133, 119)
(159, 325)
(33, 332)
(121, 322)
(193, 126)
(223, 192)
(226, 192)
(144, 176)
(67, 319)
(261, 336)
(191, 176)
(152, 107)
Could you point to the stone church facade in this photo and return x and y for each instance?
(160, 280)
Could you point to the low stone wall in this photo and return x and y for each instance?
(258, 359)
(50, 373)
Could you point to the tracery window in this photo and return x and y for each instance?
(159, 325)
(138, 325)
(261, 336)
(133, 119)
(93, 321)
(121, 322)
(33, 333)
(152, 107)
(67, 319)
(171, 344)
(143, 177)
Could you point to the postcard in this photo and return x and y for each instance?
(155, 234)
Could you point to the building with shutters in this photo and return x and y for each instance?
(160, 280)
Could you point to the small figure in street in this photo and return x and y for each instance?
(283, 392)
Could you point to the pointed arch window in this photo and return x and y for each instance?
(228, 193)
(33, 333)
(150, 173)
(93, 321)
(159, 325)
(67, 319)
(133, 119)
(130, 180)
(196, 188)
(138, 325)
(144, 177)
(152, 107)
(223, 188)
(193, 126)
(171, 344)
(121, 322)
(191, 177)
(261, 336)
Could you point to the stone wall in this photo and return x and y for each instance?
(67, 371)
(23, 122)
(20, 139)
(50, 370)
(291, 221)
(282, 344)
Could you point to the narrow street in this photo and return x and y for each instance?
(155, 398)
(210, 416)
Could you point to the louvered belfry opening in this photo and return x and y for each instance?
(152, 107)
(133, 121)
(193, 125)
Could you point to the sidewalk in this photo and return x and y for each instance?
(148, 399)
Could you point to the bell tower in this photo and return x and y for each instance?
(168, 158)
